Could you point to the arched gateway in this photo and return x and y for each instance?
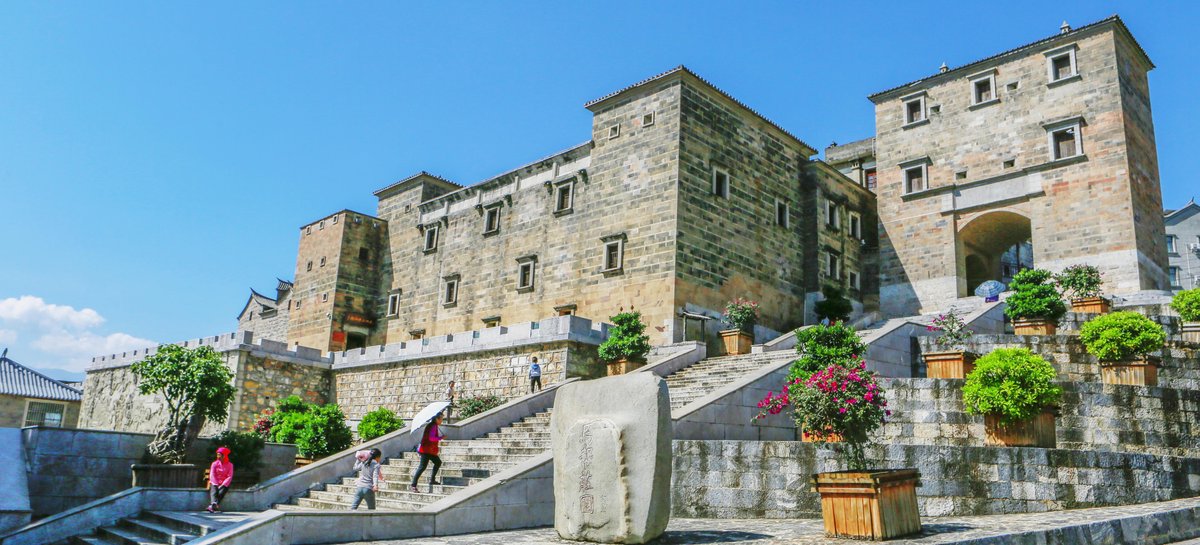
(992, 246)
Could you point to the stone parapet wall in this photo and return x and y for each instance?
(240, 340)
(752, 479)
(262, 381)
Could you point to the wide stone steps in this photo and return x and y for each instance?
(341, 504)
(449, 484)
(344, 500)
(158, 528)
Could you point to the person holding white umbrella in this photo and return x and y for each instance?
(431, 435)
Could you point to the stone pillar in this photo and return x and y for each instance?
(612, 459)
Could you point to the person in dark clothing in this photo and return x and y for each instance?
(429, 453)
(535, 375)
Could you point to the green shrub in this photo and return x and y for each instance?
(245, 448)
(1121, 336)
(741, 314)
(835, 307)
(1080, 281)
(821, 346)
(316, 430)
(1187, 304)
(1012, 384)
(1035, 297)
(471, 406)
(378, 423)
(626, 339)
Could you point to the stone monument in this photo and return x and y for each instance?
(612, 459)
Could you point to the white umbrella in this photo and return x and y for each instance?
(426, 415)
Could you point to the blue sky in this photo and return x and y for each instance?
(157, 158)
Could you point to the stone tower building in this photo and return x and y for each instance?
(1050, 143)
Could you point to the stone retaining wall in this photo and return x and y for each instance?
(750, 479)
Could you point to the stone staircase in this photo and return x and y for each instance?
(158, 528)
(467, 462)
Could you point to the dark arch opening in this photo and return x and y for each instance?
(994, 247)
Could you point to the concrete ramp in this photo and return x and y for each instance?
(14, 502)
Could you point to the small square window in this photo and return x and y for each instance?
(431, 238)
(914, 178)
(525, 275)
(308, 230)
(566, 310)
(855, 225)
(393, 307)
(614, 131)
(1013, 86)
(1062, 66)
(335, 218)
(614, 255)
(914, 110)
(491, 220)
(983, 89)
(324, 297)
(960, 175)
(564, 197)
(852, 278)
(309, 266)
(1009, 163)
(450, 291)
(648, 119)
(322, 261)
(781, 214)
(1065, 142)
(491, 321)
(720, 183)
(417, 334)
(364, 254)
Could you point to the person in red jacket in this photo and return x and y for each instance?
(429, 452)
(220, 476)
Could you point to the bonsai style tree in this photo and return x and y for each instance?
(834, 307)
(1079, 281)
(378, 423)
(1035, 297)
(627, 339)
(1012, 384)
(196, 387)
(741, 314)
(1187, 304)
(820, 346)
(954, 331)
(1122, 336)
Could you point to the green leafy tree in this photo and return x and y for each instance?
(378, 423)
(626, 339)
(473, 405)
(316, 430)
(835, 307)
(1013, 384)
(245, 449)
(1080, 281)
(1035, 297)
(820, 346)
(1121, 336)
(1187, 304)
(196, 387)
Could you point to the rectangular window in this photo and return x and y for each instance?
(1171, 241)
(1172, 278)
(321, 225)
(613, 255)
(322, 261)
(833, 265)
(324, 297)
(308, 230)
(431, 238)
(38, 413)
(614, 131)
(297, 305)
(914, 110)
(855, 225)
(450, 291)
(648, 119)
(525, 275)
(781, 214)
(833, 215)
(564, 197)
(491, 321)
(720, 183)
(309, 266)
(852, 278)
(869, 175)
(983, 89)
(1061, 64)
(1065, 142)
(491, 220)
(914, 178)
(393, 304)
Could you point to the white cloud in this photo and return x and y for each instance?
(8, 336)
(29, 309)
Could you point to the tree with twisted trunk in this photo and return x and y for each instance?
(196, 386)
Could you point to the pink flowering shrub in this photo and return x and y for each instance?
(955, 333)
(842, 400)
(741, 314)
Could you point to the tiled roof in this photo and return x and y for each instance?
(18, 380)
(686, 70)
(413, 177)
(1191, 204)
(1062, 35)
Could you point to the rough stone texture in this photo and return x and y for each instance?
(612, 451)
(14, 504)
(745, 479)
(263, 380)
(856, 253)
(1103, 208)
(12, 411)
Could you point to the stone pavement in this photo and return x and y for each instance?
(1162, 522)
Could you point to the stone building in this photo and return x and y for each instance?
(1049, 143)
(265, 317)
(29, 398)
(1183, 246)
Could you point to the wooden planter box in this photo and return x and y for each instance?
(1035, 326)
(1191, 331)
(874, 505)
(808, 436)
(955, 364)
(737, 341)
(622, 366)
(300, 462)
(1141, 371)
(1091, 305)
(168, 475)
(1036, 432)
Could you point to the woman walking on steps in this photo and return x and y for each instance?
(220, 477)
(370, 474)
(429, 453)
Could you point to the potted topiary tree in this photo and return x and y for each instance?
(195, 385)
(741, 315)
(1123, 341)
(1187, 304)
(1015, 392)
(820, 346)
(861, 503)
(378, 423)
(627, 344)
(1082, 282)
(953, 360)
(1035, 306)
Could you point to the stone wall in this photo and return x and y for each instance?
(66, 468)
(111, 401)
(829, 234)
(766, 479)
(262, 381)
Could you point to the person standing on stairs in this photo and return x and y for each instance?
(220, 477)
(429, 452)
(370, 474)
(450, 397)
(535, 375)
